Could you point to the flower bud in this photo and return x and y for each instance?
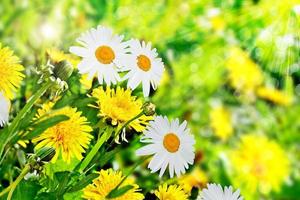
(63, 70)
(148, 109)
(46, 154)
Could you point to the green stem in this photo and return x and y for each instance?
(125, 125)
(6, 190)
(11, 133)
(128, 122)
(17, 181)
(104, 137)
(128, 174)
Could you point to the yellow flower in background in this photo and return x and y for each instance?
(57, 55)
(244, 74)
(220, 121)
(10, 72)
(171, 192)
(197, 178)
(70, 138)
(106, 182)
(216, 19)
(275, 96)
(120, 106)
(86, 82)
(259, 164)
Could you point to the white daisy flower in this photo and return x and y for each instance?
(4, 110)
(144, 66)
(171, 143)
(103, 54)
(216, 192)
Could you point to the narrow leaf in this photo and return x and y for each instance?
(119, 191)
(83, 183)
(44, 125)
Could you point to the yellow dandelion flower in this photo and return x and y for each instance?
(220, 121)
(275, 96)
(106, 182)
(86, 82)
(244, 74)
(57, 55)
(70, 137)
(120, 106)
(259, 164)
(10, 72)
(197, 178)
(216, 19)
(171, 192)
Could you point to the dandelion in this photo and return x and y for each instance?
(4, 111)
(216, 19)
(144, 66)
(120, 106)
(171, 192)
(70, 137)
(253, 164)
(171, 143)
(275, 96)
(216, 192)
(103, 54)
(197, 178)
(106, 182)
(57, 56)
(220, 121)
(10, 72)
(244, 74)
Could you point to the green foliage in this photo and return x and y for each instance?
(194, 39)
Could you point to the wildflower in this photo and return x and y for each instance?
(4, 111)
(70, 137)
(197, 178)
(10, 72)
(216, 19)
(119, 106)
(274, 95)
(216, 192)
(144, 66)
(57, 56)
(253, 164)
(171, 143)
(171, 192)
(106, 182)
(86, 82)
(220, 121)
(244, 74)
(103, 54)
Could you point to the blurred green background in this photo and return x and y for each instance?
(232, 68)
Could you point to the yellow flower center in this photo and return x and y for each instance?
(144, 63)
(171, 142)
(105, 54)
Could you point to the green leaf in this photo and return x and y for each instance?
(26, 190)
(63, 179)
(83, 182)
(107, 156)
(28, 120)
(119, 191)
(44, 125)
(12, 131)
(46, 196)
(73, 196)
